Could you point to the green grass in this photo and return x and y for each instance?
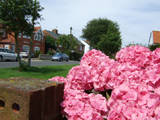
(43, 72)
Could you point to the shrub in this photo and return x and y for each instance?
(24, 65)
(154, 46)
(75, 55)
(36, 54)
(51, 51)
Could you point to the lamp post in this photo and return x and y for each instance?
(70, 35)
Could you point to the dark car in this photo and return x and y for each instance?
(60, 57)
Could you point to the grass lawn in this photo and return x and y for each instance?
(43, 72)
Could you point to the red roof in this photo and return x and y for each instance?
(156, 36)
(37, 28)
(6, 41)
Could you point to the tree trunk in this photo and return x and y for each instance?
(31, 44)
(30, 50)
(19, 59)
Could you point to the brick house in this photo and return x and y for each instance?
(8, 41)
(154, 37)
(54, 33)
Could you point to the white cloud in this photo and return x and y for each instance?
(136, 18)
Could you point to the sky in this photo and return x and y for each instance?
(136, 18)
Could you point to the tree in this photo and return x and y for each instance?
(104, 35)
(16, 18)
(50, 44)
(35, 9)
(13, 19)
(68, 42)
(154, 46)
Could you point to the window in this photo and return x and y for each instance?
(19, 35)
(24, 36)
(25, 48)
(4, 34)
(28, 37)
(80, 48)
(13, 48)
(39, 36)
(36, 49)
(36, 36)
(42, 38)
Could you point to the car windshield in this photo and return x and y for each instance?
(58, 54)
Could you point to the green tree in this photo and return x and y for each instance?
(68, 42)
(104, 35)
(35, 8)
(16, 16)
(13, 19)
(154, 46)
(50, 44)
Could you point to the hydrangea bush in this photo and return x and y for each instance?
(134, 79)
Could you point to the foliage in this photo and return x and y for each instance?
(68, 52)
(51, 51)
(154, 46)
(104, 35)
(50, 44)
(75, 55)
(35, 8)
(16, 17)
(68, 42)
(41, 72)
(24, 66)
(36, 54)
(134, 44)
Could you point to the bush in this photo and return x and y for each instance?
(36, 54)
(154, 46)
(75, 55)
(24, 65)
(51, 51)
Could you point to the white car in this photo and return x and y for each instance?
(7, 54)
(26, 53)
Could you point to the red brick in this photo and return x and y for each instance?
(32, 99)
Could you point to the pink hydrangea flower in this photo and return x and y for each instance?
(80, 78)
(93, 58)
(136, 55)
(134, 79)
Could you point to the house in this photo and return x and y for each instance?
(54, 33)
(154, 37)
(8, 41)
(87, 46)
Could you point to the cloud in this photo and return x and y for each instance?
(135, 18)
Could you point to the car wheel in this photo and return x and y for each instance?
(17, 59)
(60, 60)
(1, 58)
(67, 60)
(52, 60)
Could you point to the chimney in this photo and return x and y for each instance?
(55, 31)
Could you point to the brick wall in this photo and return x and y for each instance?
(30, 99)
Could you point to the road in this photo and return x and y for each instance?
(6, 64)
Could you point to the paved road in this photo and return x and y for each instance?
(5, 64)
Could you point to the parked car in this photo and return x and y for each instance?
(26, 54)
(7, 54)
(60, 57)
